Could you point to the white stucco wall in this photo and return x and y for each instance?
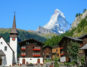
(31, 60)
(13, 45)
(7, 59)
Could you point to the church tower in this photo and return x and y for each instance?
(13, 40)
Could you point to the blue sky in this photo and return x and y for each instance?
(33, 13)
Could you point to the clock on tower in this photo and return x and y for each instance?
(13, 38)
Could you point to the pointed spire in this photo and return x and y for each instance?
(13, 30)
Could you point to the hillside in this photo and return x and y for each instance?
(81, 28)
(23, 35)
(79, 17)
(81, 25)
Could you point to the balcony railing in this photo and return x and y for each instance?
(36, 49)
(62, 54)
(23, 54)
(61, 47)
(23, 48)
(36, 54)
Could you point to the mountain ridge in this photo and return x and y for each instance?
(23, 35)
(78, 19)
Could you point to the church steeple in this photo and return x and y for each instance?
(14, 40)
(13, 30)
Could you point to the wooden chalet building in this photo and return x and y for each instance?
(84, 46)
(64, 43)
(56, 52)
(31, 52)
(47, 52)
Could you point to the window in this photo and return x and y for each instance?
(27, 43)
(5, 48)
(1, 42)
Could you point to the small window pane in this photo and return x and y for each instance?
(5, 48)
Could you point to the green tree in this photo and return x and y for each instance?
(78, 14)
(72, 50)
(53, 41)
(56, 62)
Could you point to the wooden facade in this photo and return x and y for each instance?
(47, 52)
(57, 52)
(31, 48)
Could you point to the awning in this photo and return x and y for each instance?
(84, 47)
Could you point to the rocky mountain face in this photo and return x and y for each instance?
(56, 25)
(78, 19)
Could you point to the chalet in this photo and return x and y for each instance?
(47, 52)
(8, 51)
(57, 52)
(84, 46)
(64, 43)
(31, 51)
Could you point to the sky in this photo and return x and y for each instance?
(30, 14)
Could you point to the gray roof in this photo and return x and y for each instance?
(76, 39)
(85, 35)
(2, 53)
(84, 47)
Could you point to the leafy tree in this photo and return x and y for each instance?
(78, 14)
(56, 62)
(53, 41)
(82, 59)
(72, 50)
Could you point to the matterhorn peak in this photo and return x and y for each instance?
(57, 11)
(57, 24)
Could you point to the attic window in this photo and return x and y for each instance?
(5, 48)
(1, 42)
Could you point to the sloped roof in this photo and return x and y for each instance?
(47, 46)
(83, 36)
(76, 39)
(84, 47)
(13, 30)
(2, 53)
(31, 40)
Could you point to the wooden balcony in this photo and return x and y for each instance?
(23, 48)
(37, 49)
(36, 54)
(23, 54)
(61, 48)
(62, 54)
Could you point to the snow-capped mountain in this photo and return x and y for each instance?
(57, 24)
